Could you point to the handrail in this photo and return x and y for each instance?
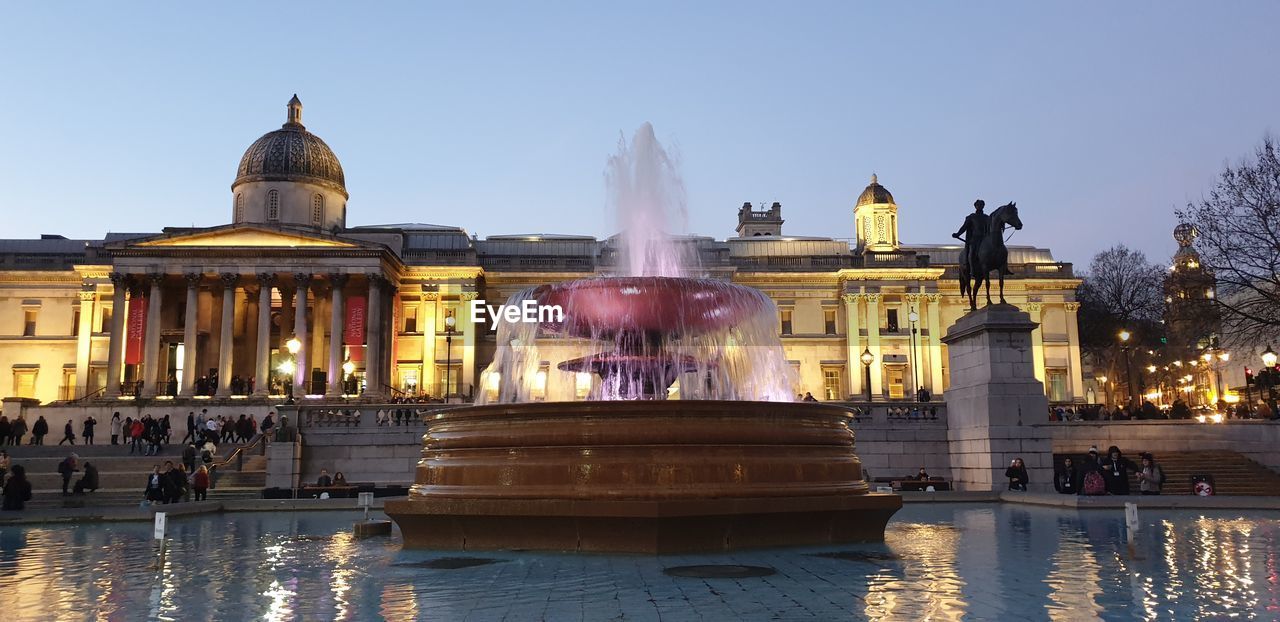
(238, 454)
(394, 391)
(85, 397)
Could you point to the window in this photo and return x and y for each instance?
(409, 380)
(829, 320)
(29, 323)
(273, 205)
(891, 320)
(832, 388)
(411, 318)
(24, 382)
(75, 321)
(317, 210)
(786, 321)
(1056, 384)
(239, 207)
(105, 325)
(582, 385)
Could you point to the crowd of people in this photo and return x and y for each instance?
(1147, 410)
(1108, 475)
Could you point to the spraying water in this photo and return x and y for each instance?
(649, 334)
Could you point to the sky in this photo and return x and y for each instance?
(1098, 118)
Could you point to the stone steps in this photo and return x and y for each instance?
(121, 498)
(1233, 473)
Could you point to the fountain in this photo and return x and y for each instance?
(733, 463)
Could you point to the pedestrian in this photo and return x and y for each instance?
(1115, 470)
(268, 423)
(68, 434)
(189, 457)
(115, 428)
(1064, 480)
(136, 436)
(5, 430)
(69, 465)
(89, 481)
(191, 428)
(17, 490)
(1017, 474)
(1151, 477)
(18, 430)
(87, 429)
(39, 430)
(166, 430)
(200, 483)
(154, 493)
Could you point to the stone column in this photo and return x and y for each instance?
(84, 341)
(373, 338)
(1037, 339)
(994, 400)
(262, 354)
(853, 343)
(151, 377)
(468, 340)
(300, 377)
(427, 316)
(190, 334)
(1073, 358)
(229, 280)
(337, 281)
(873, 341)
(115, 351)
(935, 344)
(286, 317)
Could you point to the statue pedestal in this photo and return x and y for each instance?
(993, 400)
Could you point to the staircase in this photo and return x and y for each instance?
(122, 477)
(1233, 473)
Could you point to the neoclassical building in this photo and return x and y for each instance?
(211, 313)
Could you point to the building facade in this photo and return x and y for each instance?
(289, 299)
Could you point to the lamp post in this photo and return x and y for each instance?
(1269, 373)
(867, 359)
(450, 324)
(289, 367)
(914, 317)
(1128, 371)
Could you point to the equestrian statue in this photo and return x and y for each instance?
(984, 249)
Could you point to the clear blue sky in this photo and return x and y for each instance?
(131, 116)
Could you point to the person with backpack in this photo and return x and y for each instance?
(1065, 480)
(1091, 481)
(1151, 477)
(1017, 474)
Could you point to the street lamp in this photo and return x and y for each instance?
(293, 346)
(348, 368)
(914, 317)
(449, 328)
(288, 367)
(1128, 371)
(867, 359)
(1268, 376)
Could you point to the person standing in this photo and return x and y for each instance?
(87, 429)
(115, 428)
(68, 434)
(39, 430)
(189, 457)
(200, 483)
(66, 468)
(17, 491)
(1064, 480)
(1017, 474)
(1151, 477)
(191, 428)
(1115, 469)
(19, 429)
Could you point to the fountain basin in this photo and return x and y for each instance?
(650, 305)
(643, 477)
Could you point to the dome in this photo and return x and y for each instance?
(291, 153)
(1185, 234)
(875, 193)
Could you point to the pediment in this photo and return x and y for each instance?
(246, 237)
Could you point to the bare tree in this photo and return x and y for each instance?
(1238, 239)
(1120, 291)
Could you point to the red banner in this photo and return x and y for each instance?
(136, 329)
(353, 333)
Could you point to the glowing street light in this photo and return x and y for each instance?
(867, 359)
(1269, 357)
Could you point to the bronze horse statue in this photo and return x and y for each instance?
(990, 254)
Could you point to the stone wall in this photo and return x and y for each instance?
(57, 416)
(378, 454)
(1257, 440)
(899, 448)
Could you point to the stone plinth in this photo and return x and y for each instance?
(993, 400)
(640, 476)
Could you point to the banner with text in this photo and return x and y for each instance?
(353, 333)
(136, 329)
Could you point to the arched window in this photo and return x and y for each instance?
(273, 205)
(317, 209)
(239, 207)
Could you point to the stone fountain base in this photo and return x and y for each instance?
(640, 477)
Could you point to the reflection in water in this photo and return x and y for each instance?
(939, 562)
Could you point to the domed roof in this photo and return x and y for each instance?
(875, 193)
(291, 153)
(1185, 234)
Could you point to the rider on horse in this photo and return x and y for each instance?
(975, 228)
